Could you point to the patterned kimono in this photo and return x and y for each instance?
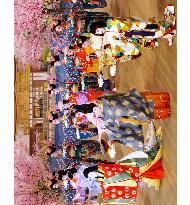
(150, 169)
(135, 110)
(86, 186)
(119, 183)
(85, 149)
(128, 35)
(70, 135)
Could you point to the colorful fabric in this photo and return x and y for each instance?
(150, 169)
(83, 183)
(85, 149)
(96, 117)
(119, 183)
(132, 107)
(88, 148)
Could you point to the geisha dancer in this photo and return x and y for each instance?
(119, 40)
(123, 117)
(120, 181)
(84, 55)
(86, 187)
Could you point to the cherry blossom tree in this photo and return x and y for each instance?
(31, 31)
(32, 178)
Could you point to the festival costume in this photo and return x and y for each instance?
(120, 181)
(127, 37)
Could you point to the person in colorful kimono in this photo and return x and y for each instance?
(85, 56)
(123, 39)
(120, 181)
(122, 116)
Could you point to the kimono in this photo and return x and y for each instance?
(86, 148)
(127, 37)
(86, 59)
(84, 97)
(69, 193)
(120, 181)
(124, 115)
(87, 187)
(150, 168)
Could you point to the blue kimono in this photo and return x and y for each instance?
(83, 4)
(131, 106)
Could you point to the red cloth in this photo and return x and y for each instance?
(155, 172)
(114, 169)
(81, 54)
(73, 98)
(92, 94)
(119, 192)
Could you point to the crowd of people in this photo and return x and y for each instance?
(93, 116)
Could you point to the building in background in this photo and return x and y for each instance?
(31, 105)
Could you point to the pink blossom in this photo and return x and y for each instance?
(30, 32)
(30, 171)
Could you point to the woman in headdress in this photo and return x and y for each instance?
(123, 116)
(122, 39)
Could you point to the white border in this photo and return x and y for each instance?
(6, 102)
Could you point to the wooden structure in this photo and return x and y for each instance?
(22, 79)
(39, 103)
(31, 104)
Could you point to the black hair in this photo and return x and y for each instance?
(53, 86)
(71, 47)
(52, 63)
(53, 182)
(85, 108)
(71, 172)
(61, 173)
(90, 169)
(58, 24)
(55, 116)
(49, 91)
(53, 149)
(56, 57)
(82, 39)
(65, 101)
(95, 25)
(83, 126)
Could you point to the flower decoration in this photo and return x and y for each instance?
(31, 32)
